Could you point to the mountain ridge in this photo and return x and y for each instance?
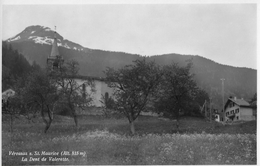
(239, 81)
(59, 37)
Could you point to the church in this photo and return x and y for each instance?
(55, 60)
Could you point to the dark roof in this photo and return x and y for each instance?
(239, 102)
(88, 77)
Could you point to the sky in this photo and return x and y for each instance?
(223, 32)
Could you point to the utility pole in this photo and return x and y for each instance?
(210, 103)
(210, 113)
(205, 108)
(222, 79)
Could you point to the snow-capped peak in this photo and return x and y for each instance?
(44, 35)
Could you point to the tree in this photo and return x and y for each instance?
(107, 104)
(193, 106)
(14, 65)
(35, 93)
(254, 98)
(177, 88)
(71, 94)
(134, 86)
(10, 106)
(38, 90)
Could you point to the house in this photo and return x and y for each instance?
(55, 60)
(238, 109)
(6, 94)
(219, 114)
(217, 117)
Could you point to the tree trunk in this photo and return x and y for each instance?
(177, 124)
(177, 119)
(48, 124)
(132, 127)
(73, 111)
(75, 119)
(45, 121)
(11, 122)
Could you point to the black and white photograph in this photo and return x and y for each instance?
(144, 82)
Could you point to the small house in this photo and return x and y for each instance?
(238, 109)
(6, 94)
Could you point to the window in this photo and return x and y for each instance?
(106, 95)
(231, 104)
(237, 110)
(83, 87)
(221, 119)
(55, 65)
(237, 117)
(84, 90)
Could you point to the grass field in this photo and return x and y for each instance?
(101, 140)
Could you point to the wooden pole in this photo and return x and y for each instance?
(205, 109)
(210, 113)
(223, 106)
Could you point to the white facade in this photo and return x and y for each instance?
(232, 110)
(238, 109)
(100, 88)
(217, 117)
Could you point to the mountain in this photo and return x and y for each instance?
(35, 44)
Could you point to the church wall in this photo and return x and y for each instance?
(100, 89)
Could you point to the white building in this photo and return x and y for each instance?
(238, 109)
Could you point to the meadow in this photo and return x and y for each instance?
(100, 140)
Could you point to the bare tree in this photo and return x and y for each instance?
(71, 94)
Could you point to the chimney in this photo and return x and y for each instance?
(235, 98)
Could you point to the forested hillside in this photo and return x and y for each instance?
(14, 65)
